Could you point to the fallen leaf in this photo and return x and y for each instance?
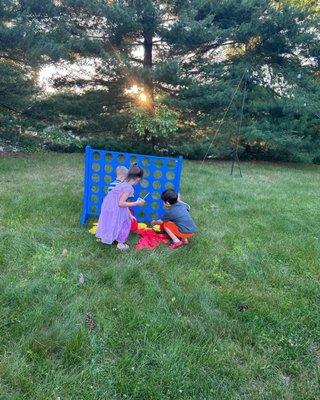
(242, 307)
(89, 321)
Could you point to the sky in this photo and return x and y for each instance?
(83, 69)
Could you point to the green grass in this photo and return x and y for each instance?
(167, 322)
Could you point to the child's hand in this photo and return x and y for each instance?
(140, 202)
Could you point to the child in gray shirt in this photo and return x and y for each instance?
(177, 221)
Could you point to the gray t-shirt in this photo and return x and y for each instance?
(180, 215)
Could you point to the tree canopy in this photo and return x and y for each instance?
(164, 73)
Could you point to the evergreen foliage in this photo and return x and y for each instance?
(190, 58)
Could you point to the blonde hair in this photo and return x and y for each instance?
(122, 170)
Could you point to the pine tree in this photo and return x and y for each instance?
(193, 57)
(266, 48)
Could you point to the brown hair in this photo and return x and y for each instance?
(169, 196)
(134, 172)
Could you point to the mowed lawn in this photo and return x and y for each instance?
(236, 315)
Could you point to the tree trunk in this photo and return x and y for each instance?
(148, 47)
(147, 65)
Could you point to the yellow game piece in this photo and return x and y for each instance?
(156, 228)
(93, 230)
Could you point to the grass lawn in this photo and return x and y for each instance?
(168, 324)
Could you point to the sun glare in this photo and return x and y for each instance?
(137, 92)
(134, 89)
(142, 97)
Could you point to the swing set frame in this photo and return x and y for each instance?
(234, 151)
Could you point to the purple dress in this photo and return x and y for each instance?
(114, 221)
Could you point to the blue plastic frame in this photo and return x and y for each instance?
(160, 173)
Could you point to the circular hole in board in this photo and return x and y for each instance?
(106, 189)
(171, 163)
(157, 174)
(95, 178)
(141, 214)
(93, 209)
(96, 167)
(146, 172)
(95, 188)
(107, 179)
(108, 157)
(121, 159)
(143, 193)
(170, 175)
(108, 168)
(144, 183)
(169, 185)
(133, 159)
(159, 163)
(155, 195)
(154, 205)
(156, 185)
(145, 162)
(96, 156)
(154, 215)
(94, 198)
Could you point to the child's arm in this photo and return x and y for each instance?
(183, 202)
(156, 222)
(124, 203)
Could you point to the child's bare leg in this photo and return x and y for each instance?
(185, 240)
(172, 235)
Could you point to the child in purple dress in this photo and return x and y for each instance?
(121, 174)
(115, 219)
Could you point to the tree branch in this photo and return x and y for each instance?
(164, 88)
(196, 51)
(11, 109)
(213, 46)
(10, 58)
(136, 60)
